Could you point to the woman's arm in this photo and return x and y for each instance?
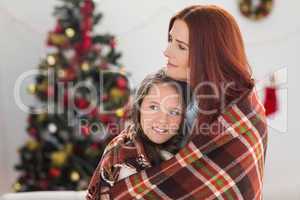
(227, 162)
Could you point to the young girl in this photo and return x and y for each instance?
(157, 132)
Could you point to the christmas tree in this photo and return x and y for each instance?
(84, 88)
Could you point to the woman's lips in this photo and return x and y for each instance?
(170, 65)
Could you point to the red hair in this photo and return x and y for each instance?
(217, 56)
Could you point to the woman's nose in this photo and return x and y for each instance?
(167, 51)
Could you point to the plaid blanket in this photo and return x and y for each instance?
(124, 153)
(225, 162)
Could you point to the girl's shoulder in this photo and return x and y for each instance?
(120, 155)
(124, 140)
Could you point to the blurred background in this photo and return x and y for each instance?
(133, 35)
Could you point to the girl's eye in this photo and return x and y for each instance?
(154, 107)
(175, 113)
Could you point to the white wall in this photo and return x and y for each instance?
(141, 29)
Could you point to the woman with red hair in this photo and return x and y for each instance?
(225, 155)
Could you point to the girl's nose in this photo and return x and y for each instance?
(163, 117)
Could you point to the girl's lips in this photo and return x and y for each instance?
(159, 131)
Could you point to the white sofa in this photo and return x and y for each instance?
(45, 195)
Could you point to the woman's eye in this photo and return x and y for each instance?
(182, 47)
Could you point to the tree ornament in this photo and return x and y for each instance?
(41, 117)
(81, 103)
(120, 112)
(17, 186)
(58, 28)
(55, 39)
(54, 172)
(32, 145)
(85, 66)
(85, 130)
(74, 176)
(70, 33)
(116, 93)
(59, 158)
(32, 88)
(51, 60)
(52, 128)
(32, 132)
(122, 83)
(105, 118)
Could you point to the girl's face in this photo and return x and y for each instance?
(161, 113)
(177, 52)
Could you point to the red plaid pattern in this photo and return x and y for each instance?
(226, 163)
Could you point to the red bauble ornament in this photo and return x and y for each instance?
(104, 118)
(94, 112)
(32, 132)
(94, 146)
(54, 172)
(81, 103)
(85, 130)
(70, 75)
(122, 83)
(58, 28)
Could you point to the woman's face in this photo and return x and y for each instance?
(177, 52)
(161, 113)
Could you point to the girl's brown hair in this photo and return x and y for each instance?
(216, 58)
(176, 142)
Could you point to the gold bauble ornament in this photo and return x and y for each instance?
(74, 176)
(17, 187)
(68, 148)
(58, 39)
(59, 158)
(116, 93)
(41, 117)
(51, 60)
(61, 73)
(70, 32)
(85, 66)
(32, 145)
(31, 88)
(120, 112)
